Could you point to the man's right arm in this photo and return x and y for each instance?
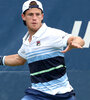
(12, 60)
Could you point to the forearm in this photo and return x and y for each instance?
(74, 42)
(77, 40)
(14, 60)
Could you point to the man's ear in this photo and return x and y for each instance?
(42, 16)
(23, 16)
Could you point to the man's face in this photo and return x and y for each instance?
(33, 18)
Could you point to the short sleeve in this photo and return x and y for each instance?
(63, 38)
(21, 52)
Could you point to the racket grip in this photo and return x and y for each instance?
(1, 60)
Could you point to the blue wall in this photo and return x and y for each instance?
(61, 14)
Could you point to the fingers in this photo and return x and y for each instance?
(67, 49)
(70, 46)
(75, 45)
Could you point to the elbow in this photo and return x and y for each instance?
(78, 40)
(82, 42)
(22, 63)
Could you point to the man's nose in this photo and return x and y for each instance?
(34, 17)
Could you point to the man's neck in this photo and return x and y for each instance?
(31, 32)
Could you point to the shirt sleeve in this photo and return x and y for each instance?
(21, 52)
(63, 38)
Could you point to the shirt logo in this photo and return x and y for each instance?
(38, 43)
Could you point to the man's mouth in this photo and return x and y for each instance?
(34, 23)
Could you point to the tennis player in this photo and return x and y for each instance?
(43, 49)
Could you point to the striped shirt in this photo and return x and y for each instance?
(45, 60)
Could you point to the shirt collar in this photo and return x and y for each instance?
(37, 34)
(41, 30)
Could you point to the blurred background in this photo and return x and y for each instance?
(71, 16)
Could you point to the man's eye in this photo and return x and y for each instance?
(38, 14)
(30, 14)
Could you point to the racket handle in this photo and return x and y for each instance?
(1, 60)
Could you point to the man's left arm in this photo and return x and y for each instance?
(74, 42)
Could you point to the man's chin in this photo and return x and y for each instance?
(34, 29)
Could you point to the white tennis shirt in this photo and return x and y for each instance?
(45, 59)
